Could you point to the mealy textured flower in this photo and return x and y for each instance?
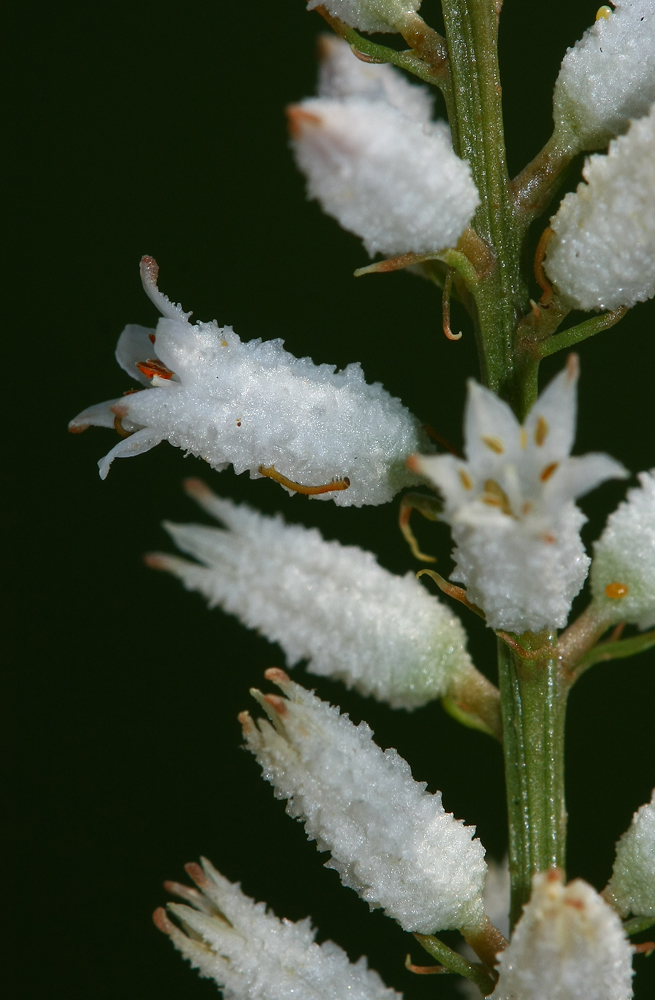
(496, 907)
(608, 77)
(253, 955)
(603, 252)
(568, 945)
(390, 840)
(377, 164)
(342, 75)
(328, 603)
(254, 406)
(510, 505)
(623, 568)
(632, 885)
(369, 15)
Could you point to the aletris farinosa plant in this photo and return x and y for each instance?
(434, 197)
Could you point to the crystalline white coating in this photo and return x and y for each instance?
(328, 603)
(608, 77)
(632, 885)
(369, 15)
(390, 840)
(342, 75)
(510, 505)
(603, 253)
(383, 176)
(256, 956)
(496, 907)
(625, 554)
(568, 945)
(253, 404)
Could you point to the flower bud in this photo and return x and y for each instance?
(631, 888)
(390, 840)
(252, 955)
(608, 77)
(567, 945)
(254, 406)
(623, 569)
(603, 253)
(328, 603)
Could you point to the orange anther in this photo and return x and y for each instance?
(616, 590)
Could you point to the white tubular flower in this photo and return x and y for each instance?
(342, 75)
(376, 162)
(510, 505)
(631, 888)
(608, 77)
(568, 945)
(254, 406)
(324, 602)
(603, 253)
(623, 569)
(390, 840)
(369, 15)
(252, 955)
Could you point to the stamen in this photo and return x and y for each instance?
(540, 431)
(494, 444)
(118, 426)
(429, 507)
(467, 482)
(616, 590)
(298, 118)
(548, 471)
(524, 437)
(152, 367)
(495, 496)
(603, 13)
(272, 473)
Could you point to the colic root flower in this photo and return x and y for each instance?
(254, 406)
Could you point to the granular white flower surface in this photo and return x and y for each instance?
(623, 569)
(253, 405)
(632, 885)
(342, 75)
(390, 840)
(369, 15)
(252, 955)
(510, 505)
(568, 945)
(331, 604)
(603, 253)
(608, 77)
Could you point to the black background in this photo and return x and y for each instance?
(158, 128)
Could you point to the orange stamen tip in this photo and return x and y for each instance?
(150, 268)
(616, 590)
(277, 676)
(78, 428)
(195, 872)
(161, 921)
(278, 704)
(153, 367)
(196, 488)
(154, 560)
(298, 118)
(573, 366)
(553, 875)
(413, 463)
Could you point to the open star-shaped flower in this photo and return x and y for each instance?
(510, 505)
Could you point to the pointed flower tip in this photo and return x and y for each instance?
(157, 560)
(277, 676)
(161, 921)
(149, 271)
(195, 872)
(298, 119)
(573, 367)
(245, 721)
(197, 489)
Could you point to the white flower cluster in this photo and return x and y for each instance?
(369, 15)
(328, 603)
(376, 163)
(253, 405)
(252, 955)
(510, 505)
(603, 252)
(623, 569)
(390, 840)
(568, 945)
(608, 77)
(632, 885)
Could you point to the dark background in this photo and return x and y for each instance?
(158, 128)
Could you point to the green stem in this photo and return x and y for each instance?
(478, 136)
(613, 651)
(453, 961)
(638, 924)
(572, 336)
(533, 700)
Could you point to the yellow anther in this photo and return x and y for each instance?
(616, 590)
(495, 496)
(494, 444)
(603, 13)
(524, 437)
(467, 482)
(540, 431)
(548, 471)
